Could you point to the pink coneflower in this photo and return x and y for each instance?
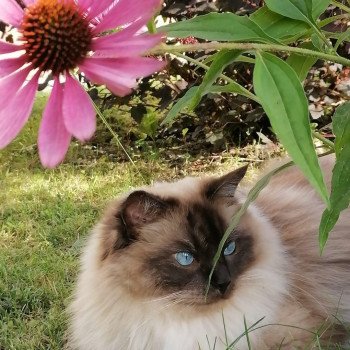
(59, 36)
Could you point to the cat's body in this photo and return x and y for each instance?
(135, 292)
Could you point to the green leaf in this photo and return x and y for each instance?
(302, 64)
(296, 9)
(340, 194)
(283, 99)
(302, 10)
(233, 88)
(278, 26)
(218, 26)
(220, 61)
(180, 105)
(341, 127)
(318, 7)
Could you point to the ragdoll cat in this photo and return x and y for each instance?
(146, 265)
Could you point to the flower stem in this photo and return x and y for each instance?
(105, 122)
(163, 48)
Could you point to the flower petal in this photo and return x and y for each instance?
(54, 139)
(98, 7)
(10, 65)
(16, 113)
(135, 45)
(28, 2)
(126, 11)
(127, 67)
(10, 85)
(78, 111)
(119, 74)
(116, 87)
(11, 12)
(6, 47)
(84, 4)
(123, 34)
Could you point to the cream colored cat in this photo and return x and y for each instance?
(146, 265)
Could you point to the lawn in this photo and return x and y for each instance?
(45, 216)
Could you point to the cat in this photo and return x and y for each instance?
(145, 269)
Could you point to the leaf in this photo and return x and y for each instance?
(233, 88)
(218, 26)
(340, 193)
(283, 99)
(220, 61)
(341, 127)
(318, 7)
(302, 64)
(185, 100)
(296, 9)
(278, 26)
(180, 105)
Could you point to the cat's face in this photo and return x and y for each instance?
(160, 243)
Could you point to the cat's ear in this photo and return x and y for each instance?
(122, 222)
(225, 186)
(141, 208)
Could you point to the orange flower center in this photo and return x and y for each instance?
(56, 35)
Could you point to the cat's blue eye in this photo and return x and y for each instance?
(184, 258)
(230, 248)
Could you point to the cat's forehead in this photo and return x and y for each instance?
(184, 190)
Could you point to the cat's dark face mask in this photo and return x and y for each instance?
(167, 244)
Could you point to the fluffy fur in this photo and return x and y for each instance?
(132, 294)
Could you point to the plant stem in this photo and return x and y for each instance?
(322, 37)
(214, 46)
(151, 26)
(341, 6)
(105, 122)
(329, 20)
(325, 141)
(247, 93)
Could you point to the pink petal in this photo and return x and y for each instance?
(78, 111)
(16, 113)
(126, 11)
(124, 33)
(10, 85)
(119, 74)
(128, 67)
(135, 45)
(28, 2)
(54, 139)
(98, 7)
(10, 65)
(11, 12)
(84, 4)
(6, 47)
(103, 78)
